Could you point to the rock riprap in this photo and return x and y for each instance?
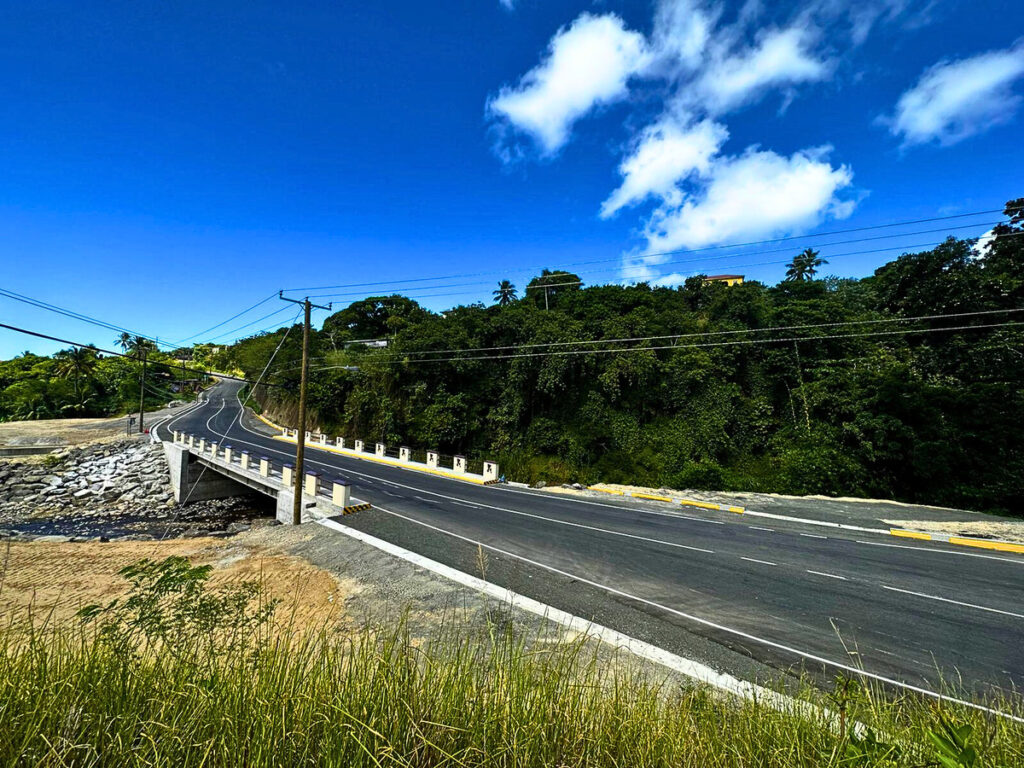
(120, 488)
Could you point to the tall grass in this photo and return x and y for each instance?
(466, 698)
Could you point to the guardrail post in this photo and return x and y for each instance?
(459, 465)
(359, 446)
(341, 493)
(340, 442)
(227, 453)
(405, 454)
(432, 459)
(213, 449)
(286, 475)
(381, 450)
(312, 483)
(490, 470)
(309, 436)
(174, 433)
(323, 439)
(244, 459)
(264, 466)
(202, 445)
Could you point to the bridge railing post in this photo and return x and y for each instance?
(227, 453)
(323, 439)
(405, 453)
(341, 494)
(244, 459)
(380, 450)
(264, 466)
(432, 457)
(312, 483)
(213, 449)
(459, 465)
(340, 442)
(286, 475)
(359, 446)
(202, 445)
(490, 470)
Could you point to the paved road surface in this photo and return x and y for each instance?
(746, 597)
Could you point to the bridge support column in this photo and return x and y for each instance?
(190, 483)
(285, 498)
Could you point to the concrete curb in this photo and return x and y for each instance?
(995, 545)
(672, 500)
(356, 508)
(267, 421)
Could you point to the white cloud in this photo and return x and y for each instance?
(664, 155)
(780, 58)
(682, 29)
(956, 99)
(587, 64)
(755, 195)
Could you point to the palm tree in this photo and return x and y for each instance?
(124, 340)
(75, 363)
(505, 293)
(804, 266)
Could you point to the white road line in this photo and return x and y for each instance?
(464, 504)
(759, 528)
(393, 495)
(830, 575)
(935, 550)
(427, 501)
(755, 560)
(496, 508)
(813, 536)
(682, 614)
(955, 602)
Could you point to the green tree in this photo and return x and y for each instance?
(76, 363)
(504, 294)
(804, 266)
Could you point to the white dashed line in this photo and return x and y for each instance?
(754, 560)
(427, 501)
(955, 602)
(813, 536)
(829, 575)
(464, 504)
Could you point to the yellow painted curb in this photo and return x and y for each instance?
(356, 508)
(267, 421)
(389, 462)
(910, 534)
(998, 546)
(670, 500)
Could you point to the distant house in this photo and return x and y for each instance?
(727, 279)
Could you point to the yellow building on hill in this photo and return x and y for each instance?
(727, 279)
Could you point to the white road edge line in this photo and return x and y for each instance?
(707, 674)
(955, 602)
(688, 667)
(829, 575)
(938, 551)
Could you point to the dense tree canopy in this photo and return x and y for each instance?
(849, 395)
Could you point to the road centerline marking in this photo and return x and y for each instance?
(829, 575)
(755, 560)
(954, 602)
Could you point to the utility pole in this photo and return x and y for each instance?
(142, 386)
(300, 438)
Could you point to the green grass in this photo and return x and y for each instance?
(79, 696)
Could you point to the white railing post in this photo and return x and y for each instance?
(286, 475)
(459, 465)
(490, 471)
(264, 466)
(432, 459)
(244, 459)
(405, 454)
(380, 450)
(341, 493)
(312, 483)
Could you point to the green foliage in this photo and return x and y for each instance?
(955, 745)
(170, 606)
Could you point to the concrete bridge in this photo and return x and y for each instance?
(201, 469)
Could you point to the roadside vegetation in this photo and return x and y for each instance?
(177, 673)
(840, 401)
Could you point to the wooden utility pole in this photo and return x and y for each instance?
(300, 438)
(142, 387)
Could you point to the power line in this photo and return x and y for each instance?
(247, 325)
(225, 322)
(78, 316)
(739, 342)
(633, 339)
(673, 252)
(80, 345)
(902, 247)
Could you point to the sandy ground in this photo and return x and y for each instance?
(40, 578)
(63, 431)
(979, 528)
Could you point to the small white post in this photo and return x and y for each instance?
(432, 459)
(490, 471)
(202, 445)
(340, 442)
(264, 466)
(359, 446)
(312, 483)
(323, 439)
(286, 475)
(459, 465)
(341, 493)
(244, 458)
(380, 449)
(227, 453)
(404, 454)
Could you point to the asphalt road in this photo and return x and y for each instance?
(746, 597)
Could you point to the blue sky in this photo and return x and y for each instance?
(167, 165)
